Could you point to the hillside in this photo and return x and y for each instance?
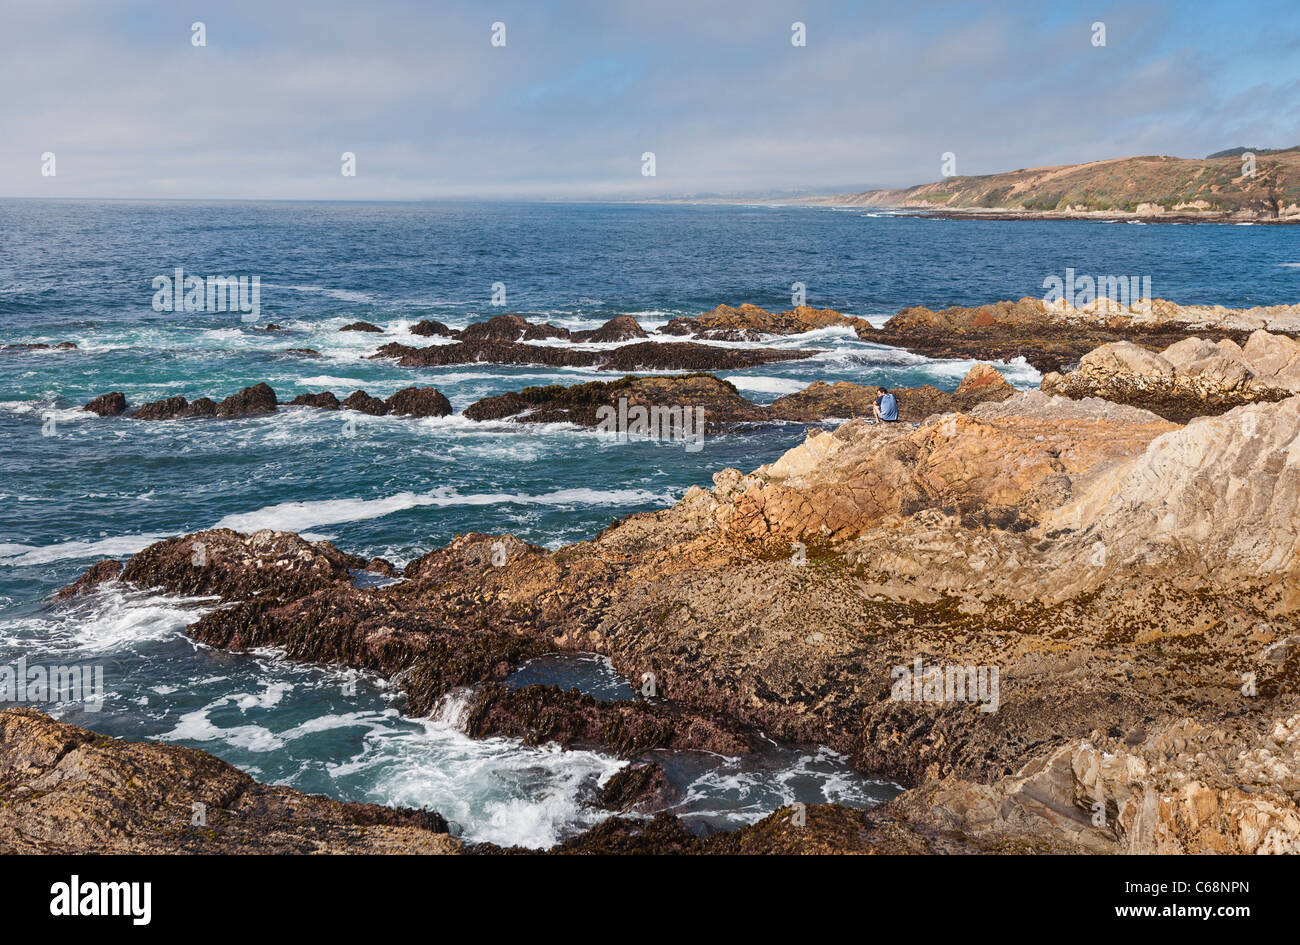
(1150, 185)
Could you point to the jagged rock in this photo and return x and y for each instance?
(687, 356)
(511, 328)
(68, 790)
(169, 409)
(106, 570)
(224, 563)
(251, 401)
(581, 403)
(360, 400)
(489, 352)
(39, 346)
(302, 352)
(751, 323)
(622, 328)
(646, 355)
(324, 401)
(418, 402)
(429, 328)
(382, 567)
(362, 326)
(542, 714)
(107, 405)
(640, 787)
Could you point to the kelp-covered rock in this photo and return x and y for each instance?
(641, 787)
(429, 328)
(622, 328)
(97, 574)
(511, 328)
(251, 401)
(40, 346)
(107, 405)
(591, 403)
(541, 714)
(365, 403)
(639, 356)
(418, 402)
(487, 352)
(322, 401)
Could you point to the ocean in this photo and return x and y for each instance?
(75, 488)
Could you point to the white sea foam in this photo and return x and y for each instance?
(107, 619)
(341, 295)
(297, 516)
(496, 789)
(72, 550)
(768, 385)
(325, 380)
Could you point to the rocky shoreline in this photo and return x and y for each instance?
(1132, 581)
(1063, 622)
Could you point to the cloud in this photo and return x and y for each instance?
(566, 108)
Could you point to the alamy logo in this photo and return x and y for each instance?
(78, 898)
(22, 683)
(657, 422)
(1078, 291)
(181, 293)
(921, 683)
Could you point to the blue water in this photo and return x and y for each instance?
(75, 488)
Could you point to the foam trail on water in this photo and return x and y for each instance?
(297, 516)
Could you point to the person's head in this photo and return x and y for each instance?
(883, 390)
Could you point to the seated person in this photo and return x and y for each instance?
(885, 406)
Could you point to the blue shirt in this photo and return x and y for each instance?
(888, 407)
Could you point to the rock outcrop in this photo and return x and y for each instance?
(325, 400)
(640, 356)
(429, 328)
(39, 346)
(362, 326)
(68, 790)
(107, 405)
(622, 328)
(251, 401)
(511, 328)
(418, 402)
(722, 404)
(582, 403)
(751, 323)
(1190, 378)
(365, 403)
(1054, 336)
(261, 399)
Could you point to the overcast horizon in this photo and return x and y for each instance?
(131, 108)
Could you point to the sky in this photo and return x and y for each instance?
(130, 107)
